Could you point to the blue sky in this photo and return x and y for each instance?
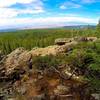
(48, 13)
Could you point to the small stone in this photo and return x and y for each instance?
(22, 90)
(40, 76)
(61, 89)
(96, 96)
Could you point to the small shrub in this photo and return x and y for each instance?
(42, 62)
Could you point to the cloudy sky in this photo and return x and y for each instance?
(48, 13)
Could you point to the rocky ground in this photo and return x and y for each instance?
(19, 80)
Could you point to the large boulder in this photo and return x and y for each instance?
(62, 41)
(53, 50)
(86, 39)
(65, 48)
(92, 38)
(16, 60)
(50, 50)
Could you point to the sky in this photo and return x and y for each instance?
(48, 13)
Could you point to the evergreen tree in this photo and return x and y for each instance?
(98, 26)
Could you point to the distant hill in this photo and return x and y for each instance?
(67, 27)
(80, 26)
(8, 30)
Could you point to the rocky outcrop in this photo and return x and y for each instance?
(21, 59)
(63, 41)
(51, 84)
(86, 39)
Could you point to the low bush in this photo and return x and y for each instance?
(42, 62)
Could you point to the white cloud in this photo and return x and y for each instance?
(44, 22)
(32, 7)
(68, 5)
(7, 3)
(7, 13)
(62, 7)
(10, 13)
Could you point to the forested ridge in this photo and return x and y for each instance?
(39, 37)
